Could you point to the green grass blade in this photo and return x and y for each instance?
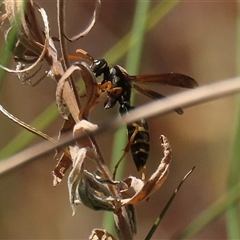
(163, 212)
(153, 17)
(233, 212)
(23, 139)
(11, 41)
(133, 42)
(211, 214)
(133, 63)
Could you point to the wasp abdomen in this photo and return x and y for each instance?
(140, 142)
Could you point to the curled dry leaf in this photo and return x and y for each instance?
(90, 25)
(61, 168)
(143, 190)
(83, 150)
(130, 186)
(81, 127)
(65, 161)
(94, 194)
(21, 14)
(75, 175)
(91, 95)
(101, 234)
(91, 89)
(59, 91)
(29, 36)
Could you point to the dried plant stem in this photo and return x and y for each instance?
(24, 125)
(23, 139)
(71, 99)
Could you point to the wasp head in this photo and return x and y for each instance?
(99, 67)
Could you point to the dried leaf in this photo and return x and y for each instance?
(90, 26)
(65, 161)
(94, 194)
(62, 166)
(92, 91)
(81, 127)
(22, 15)
(84, 149)
(90, 85)
(101, 234)
(131, 186)
(67, 127)
(75, 177)
(154, 182)
(13, 9)
(60, 88)
(132, 218)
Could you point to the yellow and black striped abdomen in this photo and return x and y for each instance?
(139, 142)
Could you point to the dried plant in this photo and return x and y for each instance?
(96, 189)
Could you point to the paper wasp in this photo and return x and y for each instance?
(119, 84)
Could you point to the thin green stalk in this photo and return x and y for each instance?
(133, 63)
(153, 17)
(166, 207)
(5, 58)
(130, 41)
(233, 220)
(11, 41)
(133, 41)
(233, 212)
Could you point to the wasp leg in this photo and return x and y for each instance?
(118, 163)
(107, 87)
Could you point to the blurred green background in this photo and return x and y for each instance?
(197, 39)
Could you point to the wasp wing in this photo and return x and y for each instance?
(154, 95)
(173, 79)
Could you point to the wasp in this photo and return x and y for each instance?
(119, 84)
